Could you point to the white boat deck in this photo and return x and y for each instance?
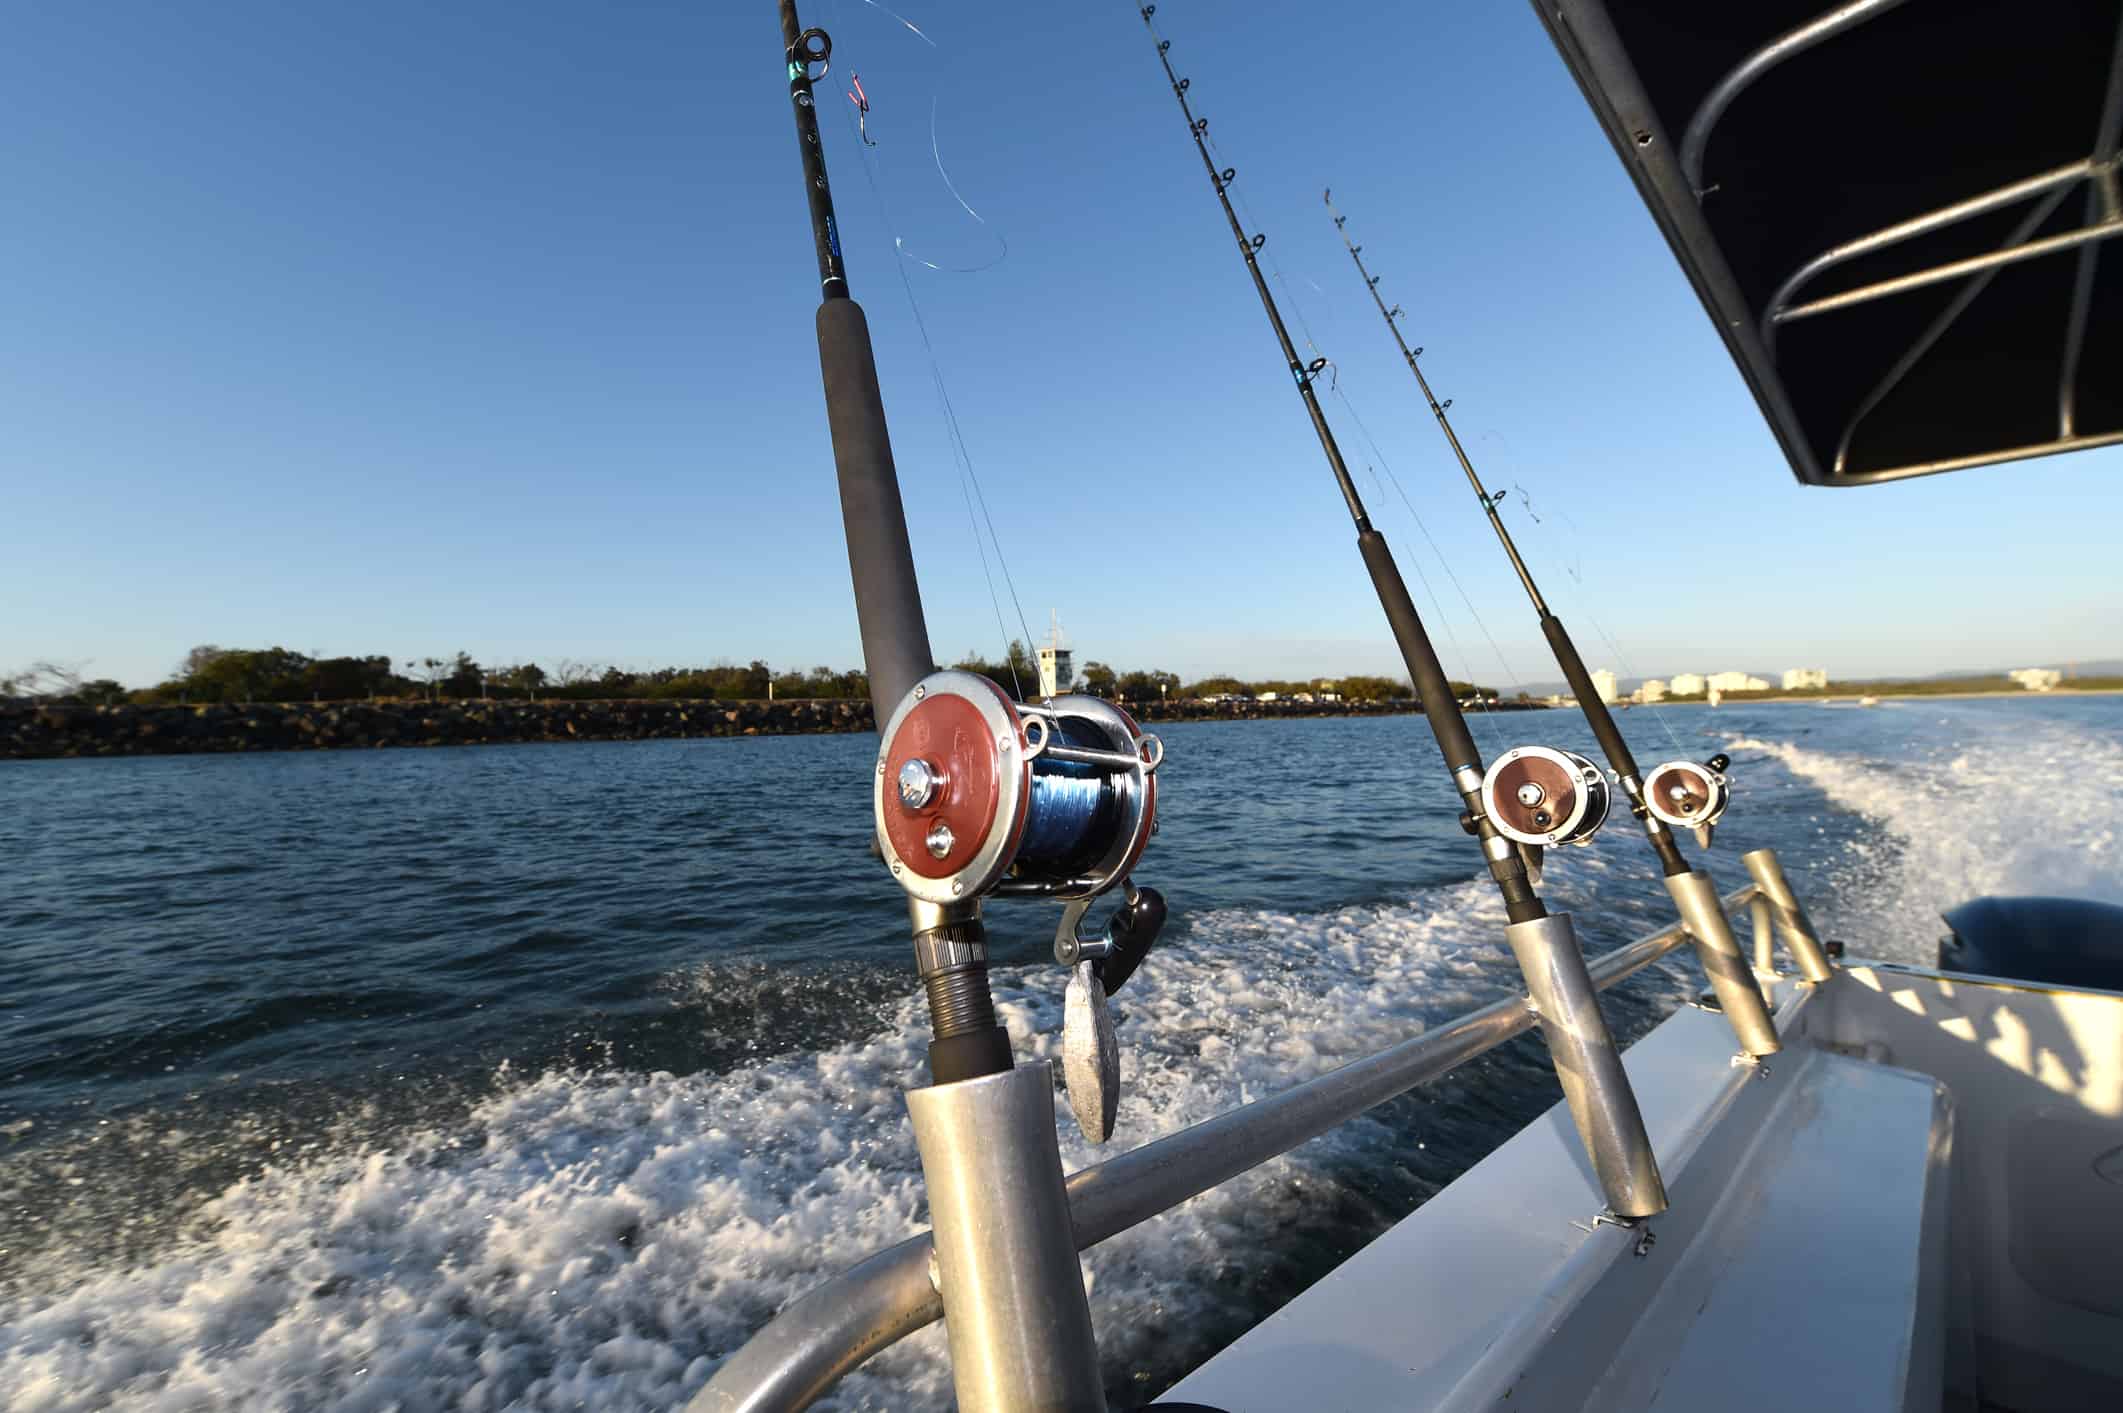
(1774, 1282)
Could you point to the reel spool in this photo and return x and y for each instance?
(1685, 795)
(976, 794)
(1543, 796)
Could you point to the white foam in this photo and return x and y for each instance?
(2002, 805)
(605, 1239)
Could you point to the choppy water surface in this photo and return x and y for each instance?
(538, 1077)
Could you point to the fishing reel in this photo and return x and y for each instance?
(977, 796)
(1542, 797)
(1684, 795)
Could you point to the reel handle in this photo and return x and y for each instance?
(1133, 930)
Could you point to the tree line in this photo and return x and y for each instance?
(212, 674)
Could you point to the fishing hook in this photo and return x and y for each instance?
(861, 101)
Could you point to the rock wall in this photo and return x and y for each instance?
(29, 731)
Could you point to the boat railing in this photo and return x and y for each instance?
(822, 1336)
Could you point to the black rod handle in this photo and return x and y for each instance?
(1425, 672)
(895, 636)
(1597, 716)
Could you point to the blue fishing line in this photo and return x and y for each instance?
(1073, 804)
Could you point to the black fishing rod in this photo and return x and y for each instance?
(1432, 688)
(975, 795)
(1680, 793)
(1586, 1061)
(950, 944)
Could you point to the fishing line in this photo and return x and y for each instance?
(969, 479)
(864, 107)
(1297, 307)
(1437, 605)
(1002, 242)
(1443, 563)
(1572, 565)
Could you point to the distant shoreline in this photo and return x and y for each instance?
(32, 732)
(29, 731)
(1851, 698)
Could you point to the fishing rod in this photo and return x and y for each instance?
(1678, 794)
(1602, 1104)
(973, 796)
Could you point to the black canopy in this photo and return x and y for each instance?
(1897, 212)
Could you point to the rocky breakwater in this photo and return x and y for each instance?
(29, 731)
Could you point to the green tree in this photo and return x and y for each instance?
(1100, 680)
(1150, 686)
(1373, 689)
(465, 679)
(1223, 685)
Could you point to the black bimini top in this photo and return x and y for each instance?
(1896, 211)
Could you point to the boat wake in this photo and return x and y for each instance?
(607, 1238)
(2029, 810)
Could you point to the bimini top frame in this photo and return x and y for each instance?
(1894, 211)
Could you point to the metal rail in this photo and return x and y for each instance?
(1742, 76)
(827, 1333)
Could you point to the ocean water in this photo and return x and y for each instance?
(538, 1077)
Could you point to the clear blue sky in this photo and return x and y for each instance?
(406, 328)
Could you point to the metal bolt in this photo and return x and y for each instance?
(940, 839)
(918, 783)
(957, 887)
(1531, 794)
(920, 692)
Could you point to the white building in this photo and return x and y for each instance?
(1057, 664)
(2037, 679)
(1798, 679)
(1737, 682)
(1687, 684)
(1604, 683)
(1653, 690)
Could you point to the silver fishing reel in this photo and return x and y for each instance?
(1684, 795)
(1544, 797)
(977, 795)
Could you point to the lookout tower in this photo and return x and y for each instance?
(1057, 664)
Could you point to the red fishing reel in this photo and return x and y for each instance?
(1543, 796)
(1685, 795)
(976, 794)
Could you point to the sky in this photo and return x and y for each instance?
(405, 328)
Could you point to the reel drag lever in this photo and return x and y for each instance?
(1098, 967)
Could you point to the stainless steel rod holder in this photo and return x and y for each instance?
(1730, 977)
(1013, 1293)
(1800, 939)
(1762, 923)
(1602, 1104)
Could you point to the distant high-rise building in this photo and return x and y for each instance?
(1687, 684)
(1798, 679)
(1605, 684)
(1653, 690)
(1737, 682)
(2037, 679)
